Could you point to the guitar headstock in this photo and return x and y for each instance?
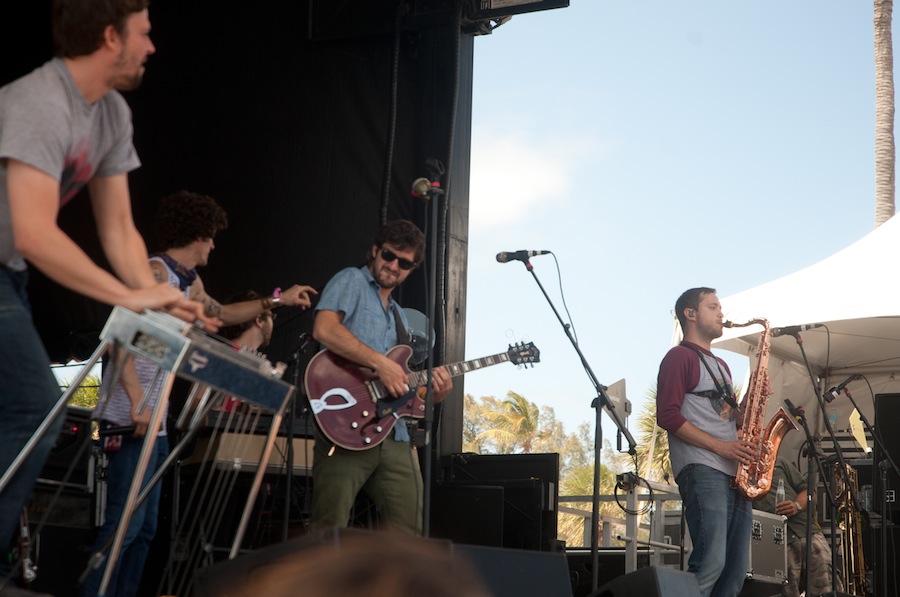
(524, 354)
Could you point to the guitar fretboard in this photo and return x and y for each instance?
(419, 378)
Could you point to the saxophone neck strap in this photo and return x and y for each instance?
(725, 393)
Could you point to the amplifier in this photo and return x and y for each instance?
(71, 460)
(243, 452)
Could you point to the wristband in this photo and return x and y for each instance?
(276, 297)
(799, 507)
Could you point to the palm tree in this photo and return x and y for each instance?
(579, 481)
(653, 443)
(515, 426)
(884, 112)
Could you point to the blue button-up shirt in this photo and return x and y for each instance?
(355, 293)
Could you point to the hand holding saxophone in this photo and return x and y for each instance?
(740, 450)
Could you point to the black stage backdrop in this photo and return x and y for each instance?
(308, 121)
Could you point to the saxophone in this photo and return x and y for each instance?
(853, 562)
(754, 480)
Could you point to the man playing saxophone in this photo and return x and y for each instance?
(794, 508)
(697, 407)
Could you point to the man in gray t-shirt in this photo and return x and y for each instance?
(695, 404)
(64, 127)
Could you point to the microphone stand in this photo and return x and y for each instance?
(289, 420)
(886, 462)
(437, 168)
(829, 489)
(601, 401)
(812, 456)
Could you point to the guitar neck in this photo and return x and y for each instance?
(420, 378)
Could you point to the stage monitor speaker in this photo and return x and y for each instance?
(760, 588)
(887, 413)
(359, 556)
(517, 572)
(610, 565)
(651, 582)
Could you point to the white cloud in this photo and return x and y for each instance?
(514, 174)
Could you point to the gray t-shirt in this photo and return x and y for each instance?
(47, 123)
(683, 381)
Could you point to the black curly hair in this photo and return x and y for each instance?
(184, 217)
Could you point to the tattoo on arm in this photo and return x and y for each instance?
(158, 274)
(213, 307)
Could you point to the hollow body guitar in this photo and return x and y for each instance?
(354, 410)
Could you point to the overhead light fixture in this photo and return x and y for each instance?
(481, 17)
(493, 9)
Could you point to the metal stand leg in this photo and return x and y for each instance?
(141, 469)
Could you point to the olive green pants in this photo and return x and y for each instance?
(389, 473)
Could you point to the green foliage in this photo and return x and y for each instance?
(87, 394)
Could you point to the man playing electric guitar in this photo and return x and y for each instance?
(357, 319)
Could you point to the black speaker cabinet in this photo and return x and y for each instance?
(887, 415)
(651, 582)
(530, 491)
(61, 554)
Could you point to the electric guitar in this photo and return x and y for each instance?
(355, 411)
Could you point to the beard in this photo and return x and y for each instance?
(128, 76)
(130, 83)
(387, 278)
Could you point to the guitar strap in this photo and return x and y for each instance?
(403, 336)
(416, 433)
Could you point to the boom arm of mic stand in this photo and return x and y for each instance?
(601, 400)
(602, 397)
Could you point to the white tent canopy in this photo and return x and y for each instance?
(855, 295)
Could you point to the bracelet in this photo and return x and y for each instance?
(276, 296)
(799, 507)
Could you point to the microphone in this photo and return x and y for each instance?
(835, 391)
(422, 187)
(793, 329)
(796, 411)
(506, 256)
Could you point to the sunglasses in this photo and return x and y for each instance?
(404, 264)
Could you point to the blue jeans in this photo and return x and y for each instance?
(29, 393)
(126, 577)
(719, 519)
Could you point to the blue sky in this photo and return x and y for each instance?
(656, 146)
